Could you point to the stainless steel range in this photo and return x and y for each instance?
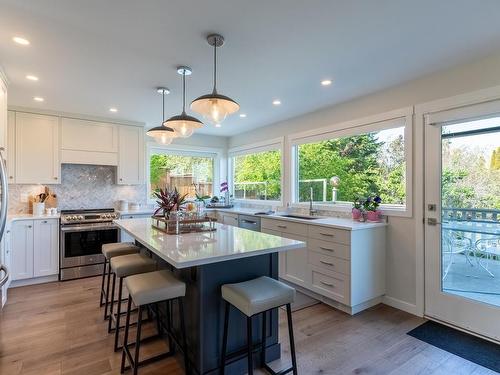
(83, 232)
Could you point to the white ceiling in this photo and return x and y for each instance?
(92, 55)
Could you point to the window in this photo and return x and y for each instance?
(190, 173)
(341, 168)
(256, 173)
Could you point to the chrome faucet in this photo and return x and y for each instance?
(312, 211)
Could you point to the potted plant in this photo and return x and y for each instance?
(357, 208)
(371, 207)
(169, 201)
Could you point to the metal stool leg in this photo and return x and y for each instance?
(125, 339)
(101, 302)
(249, 345)
(292, 341)
(118, 313)
(264, 332)
(224, 338)
(111, 302)
(135, 365)
(106, 304)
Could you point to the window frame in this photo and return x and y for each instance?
(275, 144)
(388, 120)
(185, 150)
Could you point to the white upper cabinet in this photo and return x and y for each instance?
(88, 142)
(3, 116)
(130, 155)
(11, 147)
(37, 149)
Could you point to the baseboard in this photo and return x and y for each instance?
(401, 305)
(36, 280)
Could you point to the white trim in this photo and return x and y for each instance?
(268, 145)
(387, 120)
(33, 281)
(401, 305)
(3, 76)
(471, 98)
(187, 150)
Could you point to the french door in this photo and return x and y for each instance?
(462, 220)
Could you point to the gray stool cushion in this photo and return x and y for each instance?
(115, 249)
(154, 287)
(258, 295)
(126, 265)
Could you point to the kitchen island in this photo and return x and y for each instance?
(205, 261)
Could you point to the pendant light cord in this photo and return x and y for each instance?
(215, 65)
(183, 91)
(163, 107)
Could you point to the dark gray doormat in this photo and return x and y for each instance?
(471, 348)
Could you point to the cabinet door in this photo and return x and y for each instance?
(11, 147)
(229, 219)
(294, 263)
(3, 116)
(37, 149)
(46, 248)
(22, 249)
(130, 155)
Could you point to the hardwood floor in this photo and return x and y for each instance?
(57, 328)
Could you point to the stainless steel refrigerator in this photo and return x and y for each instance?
(4, 272)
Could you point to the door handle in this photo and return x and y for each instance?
(432, 221)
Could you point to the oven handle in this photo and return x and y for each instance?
(87, 228)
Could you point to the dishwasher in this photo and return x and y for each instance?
(249, 222)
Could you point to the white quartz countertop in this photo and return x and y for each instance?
(16, 217)
(196, 249)
(140, 211)
(326, 221)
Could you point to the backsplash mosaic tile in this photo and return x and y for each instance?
(82, 186)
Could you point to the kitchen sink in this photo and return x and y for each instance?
(304, 217)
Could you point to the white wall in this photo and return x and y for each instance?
(401, 245)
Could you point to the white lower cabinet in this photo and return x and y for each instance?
(228, 218)
(35, 248)
(342, 267)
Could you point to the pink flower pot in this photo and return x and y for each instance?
(373, 215)
(356, 214)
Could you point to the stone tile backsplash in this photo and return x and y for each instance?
(82, 186)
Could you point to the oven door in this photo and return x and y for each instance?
(81, 245)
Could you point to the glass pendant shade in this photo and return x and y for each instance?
(183, 125)
(214, 107)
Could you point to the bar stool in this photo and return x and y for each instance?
(121, 267)
(109, 251)
(144, 290)
(258, 296)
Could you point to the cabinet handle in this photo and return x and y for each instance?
(327, 263)
(55, 178)
(2, 148)
(11, 177)
(7, 231)
(281, 226)
(327, 249)
(121, 179)
(45, 222)
(30, 226)
(327, 284)
(327, 234)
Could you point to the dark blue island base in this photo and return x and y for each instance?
(204, 309)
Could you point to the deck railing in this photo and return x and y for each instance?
(471, 214)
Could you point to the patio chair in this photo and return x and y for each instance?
(489, 248)
(456, 243)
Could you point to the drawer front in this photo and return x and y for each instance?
(334, 286)
(229, 219)
(330, 248)
(329, 263)
(342, 236)
(285, 226)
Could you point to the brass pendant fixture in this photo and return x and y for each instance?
(162, 134)
(183, 124)
(215, 107)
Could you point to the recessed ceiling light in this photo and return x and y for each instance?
(38, 99)
(218, 125)
(326, 82)
(113, 110)
(243, 115)
(32, 77)
(276, 102)
(21, 41)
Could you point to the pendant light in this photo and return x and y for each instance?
(162, 134)
(215, 107)
(183, 124)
